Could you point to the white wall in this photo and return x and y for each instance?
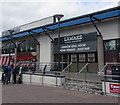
(45, 48)
(108, 28)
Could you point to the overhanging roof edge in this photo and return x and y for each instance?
(75, 18)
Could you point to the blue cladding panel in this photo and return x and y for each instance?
(108, 14)
(86, 19)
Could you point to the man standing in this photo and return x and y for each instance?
(8, 70)
(15, 73)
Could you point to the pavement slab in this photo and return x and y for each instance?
(26, 93)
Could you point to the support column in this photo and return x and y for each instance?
(38, 57)
(52, 56)
(100, 48)
(15, 57)
(51, 52)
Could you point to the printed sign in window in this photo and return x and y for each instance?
(115, 88)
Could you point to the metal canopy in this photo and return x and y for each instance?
(101, 15)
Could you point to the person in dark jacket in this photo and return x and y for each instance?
(7, 71)
(15, 73)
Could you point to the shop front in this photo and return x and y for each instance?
(26, 60)
(79, 49)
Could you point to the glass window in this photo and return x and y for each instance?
(82, 58)
(4, 51)
(118, 44)
(110, 45)
(27, 45)
(91, 57)
(21, 47)
(119, 56)
(73, 57)
(32, 45)
(12, 48)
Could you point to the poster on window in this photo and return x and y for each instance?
(115, 88)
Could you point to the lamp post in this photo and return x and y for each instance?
(59, 16)
(11, 32)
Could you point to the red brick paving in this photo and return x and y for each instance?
(22, 93)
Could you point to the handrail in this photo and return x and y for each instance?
(100, 73)
(66, 67)
(83, 68)
(111, 75)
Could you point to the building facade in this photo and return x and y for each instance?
(92, 38)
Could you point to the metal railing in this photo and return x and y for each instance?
(102, 72)
(48, 68)
(109, 76)
(66, 67)
(44, 67)
(83, 68)
(85, 71)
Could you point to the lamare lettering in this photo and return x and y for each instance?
(72, 38)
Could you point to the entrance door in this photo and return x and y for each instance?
(65, 60)
(81, 59)
(74, 60)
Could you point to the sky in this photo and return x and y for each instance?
(18, 12)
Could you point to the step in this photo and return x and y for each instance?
(85, 90)
(84, 84)
(88, 86)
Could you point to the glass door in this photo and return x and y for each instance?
(74, 60)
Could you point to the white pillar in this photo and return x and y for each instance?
(38, 57)
(100, 49)
(15, 57)
(51, 52)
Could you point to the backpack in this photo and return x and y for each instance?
(5, 70)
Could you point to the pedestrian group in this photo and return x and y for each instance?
(11, 71)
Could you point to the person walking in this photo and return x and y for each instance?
(8, 70)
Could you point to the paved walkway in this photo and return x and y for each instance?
(23, 93)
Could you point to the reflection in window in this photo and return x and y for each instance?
(21, 47)
(110, 45)
(73, 57)
(28, 45)
(4, 51)
(91, 57)
(118, 44)
(32, 45)
(82, 58)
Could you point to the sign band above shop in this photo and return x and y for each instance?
(77, 43)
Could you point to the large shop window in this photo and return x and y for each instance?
(8, 49)
(4, 51)
(28, 45)
(118, 44)
(110, 45)
(21, 47)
